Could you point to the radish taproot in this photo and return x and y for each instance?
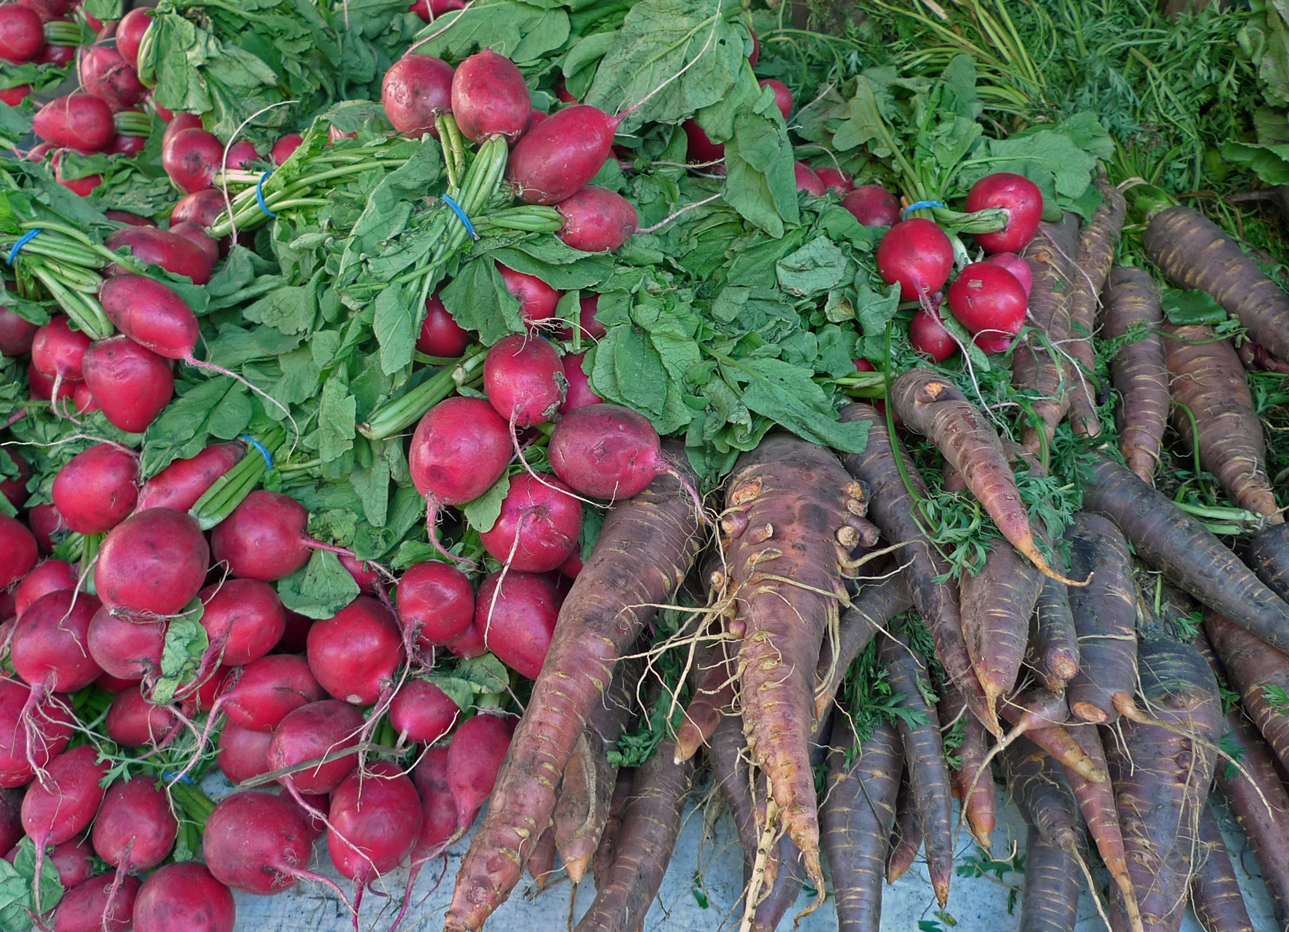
(64, 803)
(807, 181)
(16, 333)
(436, 601)
(579, 393)
(538, 526)
(918, 255)
(568, 149)
(48, 576)
(356, 654)
(184, 895)
(422, 713)
(269, 690)
(34, 729)
(174, 253)
(606, 451)
(1019, 198)
(58, 351)
(191, 158)
(873, 206)
(596, 219)
(106, 74)
(134, 722)
(94, 906)
(440, 334)
(18, 550)
(129, 34)
(124, 646)
(180, 484)
(22, 34)
(415, 92)
(474, 760)
(516, 613)
(986, 297)
(48, 645)
(839, 182)
(537, 300)
(264, 538)
(153, 563)
(258, 843)
(130, 383)
(376, 820)
(314, 731)
(490, 98)
(243, 619)
(77, 121)
(243, 753)
(134, 828)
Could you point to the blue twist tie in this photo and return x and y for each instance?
(918, 205)
(22, 241)
(268, 459)
(456, 209)
(259, 199)
(184, 779)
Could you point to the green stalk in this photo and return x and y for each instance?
(529, 219)
(401, 413)
(88, 555)
(84, 311)
(231, 489)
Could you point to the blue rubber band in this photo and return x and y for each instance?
(259, 198)
(184, 779)
(22, 241)
(918, 205)
(456, 209)
(268, 459)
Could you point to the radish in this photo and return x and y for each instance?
(22, 34)
(131, 384)
(701, 148)
(807, 181)
(134, 722)
(106, 74)
(77, 121)
(243, 753)
(241, 155)
(435, 601)
(782, 95)
(184, 895)
(49, 10)
(153, 563)
(258, 843)
(296, 636)
(10, 818)
(516, 616)
(60, 56)
(81, 187)
(438, 817)
(172, 252)
(18, 551)
(363, 572)
(180, 484)
(151, 314)
(587, 322)
(114, 685)
(836, 180)
(441, 335)
(474, 759)
(555, 159)
(177, 124)
(430, 10)
(376, 820)
(44, 578)
(13, 96)
(201, 207)
(33, 731)
(191, 159)
(524, 380)
(572, 566)
(992, 344)
(201, 696)
(469, 644)
(74, 861)
(579, 393)
(986, 296)
(126, 647)
(45, 522)
(243, 619)
(15, 487)
(873, 206)
(490, 98)
(1019, 198)
(269, 689)
(129, 34)
(416, 91)
(283, 148)
(196, 234)
(928, 335)
(127, 218)
(756, 49)
(134, 829)
(49, 643)
(917, 254)
(606, 451)
(311, 732)
(94, 906)
(126, 144)
(83, 399)
(16, 334)
(1017, 266)
(58, 351)
(356, 654)
(264, 538)
(43, 388)
(422, 713)
(538, 525)
(537, 300)
(64, 802)
(596, 219)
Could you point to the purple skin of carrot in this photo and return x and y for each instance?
(857, 815)
(612, 830)
(1036, 367)
(1050, 902)
(1251, 668)
(1139, 370)
(906, 840)
(1053, 639)
(891, 509)
(1267, 554)
(973, 781)
(713, 699)
(1209, 385)
(1215, 893)
(1041, 793)
(1190, 557)
(1195, 253)
(643, 554)
(541, 863)
(871, 610)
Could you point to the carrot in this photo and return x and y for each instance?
(713, 698)
(1053, 639)
(1057, 741)
(1043, 797)
(1034, 706)
(645, 549)
(1215, 893)
(871, 609)
(1214, 412)
(857, 814)
(541, 863)
(608, 847)
(1050, 902)
(1267, 554)
(1139, 370)
(924, 755)
(1194, 252)
(788, 506)
(1188, 555)
(906, 840)
(935, 408)
(1252, 669)
(1105, 617)
(973, 781)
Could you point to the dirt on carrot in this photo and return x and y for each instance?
(1139, 368)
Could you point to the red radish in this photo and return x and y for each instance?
(469, 644)
(191, 158)
(126, 144)
(16, 334)
(596, 219)
(18, 552)
(270, 689)
(538, 526)
(873, 206)
(1019, 198)
(34, 729)
(1017, 266)
(94, 906)
(807, 181)
(60, 56)
(177, 124)
(10, 818)
(243, 753)
(201, 697)
(184, 895)
(131, 384)
(376, 819)
(422, 713)
(701, 148)
(49, 649)
(835, 179)
(552, 161)
(430, 10)
(127, 218)
(201, 207)
(180, 484)
(986, 296)
(58, 350)
(64, 802)
(438, 816)
(45, 521)
(172, 252)
(606, 451)
(114, 685)
(490, 98)
(243, 618)
(524, 379)
(15, 95)
(537, 300)
(129, 34)
(589, 324)
(536, 118)
(77, 121)
(241, 155)
(15, 487)
(134, 829)
(22, 33)
(992, 344)
(134, 722)
(49, 576)
(106, 74)
(42, 387)
(81, 187)
(283, 148)
(572, 566)
(40, 153)
(151, 314)
(296, 636)
(441, 335)
(196, 235)
(929, 336)
(258, 843)
(335, 135)
(83, 398)
(436, 601)
(782, 95)
(474, 758)
(917, 254)
(459, 451)
(49, 10)
(756, 49)
(516, 616)
(311, 732)
(416, 90)
(356, 654)
(153, 563)
(96, 490)
(579, 393)
(264, 538)
(73, 860)
(363, 572)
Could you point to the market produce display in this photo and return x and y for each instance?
(508, 419)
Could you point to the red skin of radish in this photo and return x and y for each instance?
(474, 758)
(1017, 266)
(61, 807)
(490, 98)
(363, 573)
(243, 753)
(782, 95)
(283, 148)
(177, 123)
(72, 860)
(430, 10)
(51, 737)
(459, 451)
(126, 647)
(81, 187)
(18, 551)
(269, 690)
(986, 296)
(992, 344)
(113, 685)
(16, 334)
(596, 219)
(180, 484)
(185, 896)
(134, 825)
(57, 55)
(264, 537)
(15, 488)
(296, 636)
(106, 74)
(873, 206)
(45, 521)
(606, 451)
(201, 207)
(49, 9)
(134, 722)
(172, 252)
(83, 398)
(422, 713)
(356, 654)
(153, 563)
(579, 393)
(310, 732)
(518, 625)
(523, 378)
(469, 644)
(191, 158)
(129, 34)
(127, 145)
(22, 33)
(201, 697)
(127, 218)
(545, 520)
(244, 618)
(807, 181)
(537, 300)
(42, 387)
(929, 336)
(438, 810)
(85, 907)
(438, 601)
(835, 179)
(917, 254)
(257, 842)
(701, 148)
(49, 643)
(552, 161)
(589, 324)
(377, 819)
(241, 155)
(196, 234)
(15, 95)
(11, 819)
(441, 335)
(77, 121)
(57, 348)
(756, 49)
(131, 384)
(415, 91)
(44, 578)
(151, 314)
(1016, 195)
